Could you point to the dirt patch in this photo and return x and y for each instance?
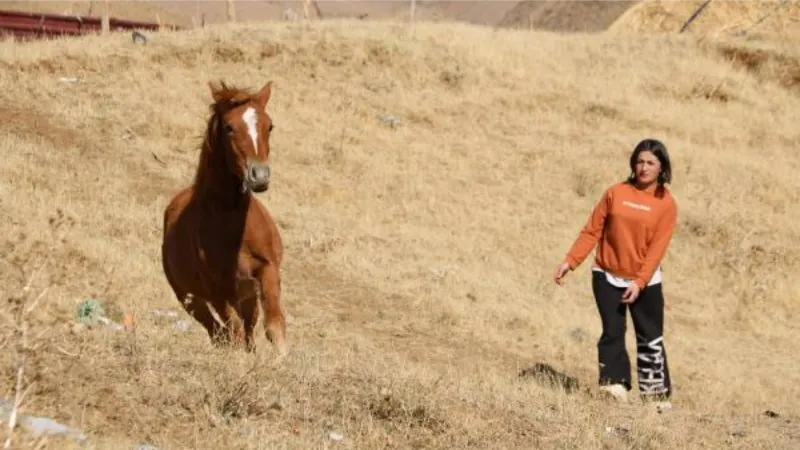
(765, 64)
(711, 93)
(605, 111)
(30, 123)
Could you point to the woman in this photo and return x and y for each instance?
(632, 226)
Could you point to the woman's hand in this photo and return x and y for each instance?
(631, 293)
(561, 270)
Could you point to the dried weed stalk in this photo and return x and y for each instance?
(22, 308)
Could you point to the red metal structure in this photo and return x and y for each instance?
(24, 25)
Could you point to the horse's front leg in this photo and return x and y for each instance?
(248, 292)
(200, 309)
(274, 320)
(230, 321)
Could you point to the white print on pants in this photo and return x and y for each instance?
(651, 373)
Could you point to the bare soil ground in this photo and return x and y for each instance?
(419, 257)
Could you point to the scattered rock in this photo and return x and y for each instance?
(215, 420)
(127, 134)
(335, 436)
(40, 426)
(616, 431)
(770, 413)
(168, 314)
(390, 121)
(138, 37)
(737, 432)
(145, 447)
(172, 316)
(43, 426)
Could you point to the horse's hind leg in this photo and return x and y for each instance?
(274, 320)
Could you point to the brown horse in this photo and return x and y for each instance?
(220, 246)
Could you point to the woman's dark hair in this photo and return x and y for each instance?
(659, 150)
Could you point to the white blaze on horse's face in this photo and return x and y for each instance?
(251, 120)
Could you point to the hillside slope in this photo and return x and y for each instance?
(418, 258)
(769, 20)
(569, 16)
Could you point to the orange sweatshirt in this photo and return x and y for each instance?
(631, 229)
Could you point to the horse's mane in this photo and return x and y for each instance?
(227, 97)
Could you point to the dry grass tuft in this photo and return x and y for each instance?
(427, 181)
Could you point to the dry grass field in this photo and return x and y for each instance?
(755, 19)
(419, 257)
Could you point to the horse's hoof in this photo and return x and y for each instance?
(279, 359)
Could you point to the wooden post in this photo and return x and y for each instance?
(311, 9)
(231, 11)
(105, 23)
(317, 10)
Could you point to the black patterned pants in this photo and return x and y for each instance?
(647, 313)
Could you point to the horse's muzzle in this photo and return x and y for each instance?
(257, 176)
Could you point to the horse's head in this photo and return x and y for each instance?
(243, 128)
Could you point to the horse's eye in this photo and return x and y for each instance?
(228, 128)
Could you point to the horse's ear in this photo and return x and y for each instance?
(216, 90)
(264, 93)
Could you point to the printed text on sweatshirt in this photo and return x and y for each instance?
(631, 228)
